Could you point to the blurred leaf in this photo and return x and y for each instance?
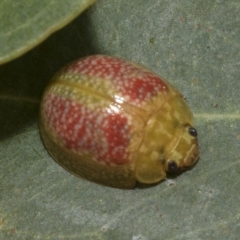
(26, 23)
(194, 44)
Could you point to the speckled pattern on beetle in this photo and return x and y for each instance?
(116, 123)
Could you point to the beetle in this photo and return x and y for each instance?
(116, 123)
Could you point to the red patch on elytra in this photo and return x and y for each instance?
(117, 135)
(140, 89)
(128, 79)
(105, 135)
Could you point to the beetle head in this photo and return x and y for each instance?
(183, 152)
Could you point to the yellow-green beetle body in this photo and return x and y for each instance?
(115, 123)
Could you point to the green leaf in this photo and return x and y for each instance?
(26, 23)
(193, 44)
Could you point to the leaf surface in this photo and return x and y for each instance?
(195, 45)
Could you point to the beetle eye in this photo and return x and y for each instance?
(172, 166)
(192, 131)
